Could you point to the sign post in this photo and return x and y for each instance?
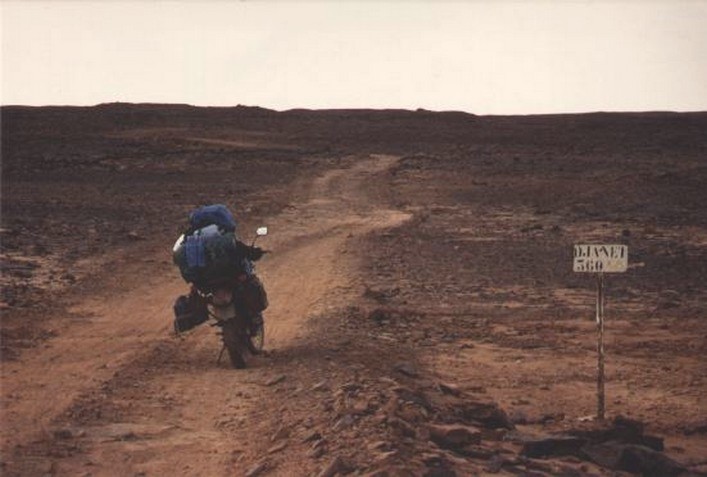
(600, 259)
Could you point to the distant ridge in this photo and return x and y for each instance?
(128, 106)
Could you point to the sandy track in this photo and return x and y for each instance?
(148, 403)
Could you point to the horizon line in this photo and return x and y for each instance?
(381, 109)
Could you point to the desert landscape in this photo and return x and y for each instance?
(424, 317)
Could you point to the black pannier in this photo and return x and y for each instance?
(189, 312)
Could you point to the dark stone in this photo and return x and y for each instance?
(415, 397)
(698, 427)
(652, 442)
(604, 455)
(450, 389)
(407, 369)
(648, 462)
(632, 426)
(440, 473)
(621, 430)
(518, 416)
(63, 434)
(336, 466)
(257, 469)
(494, 465)
(476, 452)
(315, 436)
(405, 429)
(486, 414)
(378, 315)
(633, 458)
(275, 380)
(454, 436)
(553, 446)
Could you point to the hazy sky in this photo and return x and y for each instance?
(485, 57)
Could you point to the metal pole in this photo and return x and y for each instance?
(600, 346)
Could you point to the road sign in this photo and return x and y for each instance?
(600, 258)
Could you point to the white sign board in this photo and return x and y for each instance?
(600, 258)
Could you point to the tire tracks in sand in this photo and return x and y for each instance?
(127, 399)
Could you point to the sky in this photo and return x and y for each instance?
(479, 56)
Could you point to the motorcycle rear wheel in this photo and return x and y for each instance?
(236, 342)
(257, 341)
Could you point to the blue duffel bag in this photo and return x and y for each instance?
(216, 214)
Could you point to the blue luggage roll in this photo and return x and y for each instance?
(216, 214)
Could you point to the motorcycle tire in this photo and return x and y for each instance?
(257, 341)
(236, 342)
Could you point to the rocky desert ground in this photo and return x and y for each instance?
(424, 317)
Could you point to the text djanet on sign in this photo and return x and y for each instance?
(600, 258)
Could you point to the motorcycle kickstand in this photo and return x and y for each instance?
(220, 355)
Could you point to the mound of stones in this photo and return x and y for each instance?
(411, 425)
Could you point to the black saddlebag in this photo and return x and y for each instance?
(189, 312)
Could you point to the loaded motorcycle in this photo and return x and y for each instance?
(235, 304)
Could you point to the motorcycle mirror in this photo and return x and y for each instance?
(178, 243)
(261, 231)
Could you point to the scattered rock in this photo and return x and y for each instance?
(317, 452)
(451, 389)
(384, 457)
(281, 433)
(344, 423)
(257, 469)
(454, 436)
(415, 397)
(350, 387)
(486, 414)
(633, 458)
(552, 417)
(133, 235)
(359, 407)
(402, 427)
(336, 465)
(433, 459)
(64, 433)
(277, 448)
(411, 413)
(378, 445)
(518, 416)
(318, 449)
(379, 473)
(315, 436)
(320, 386)
(406, 368)
(476, 452)
(380, 317)
(494, 434)
(440, 473)
(699, 427)
(623, 430)
(275, 380)
(553, 446)
(494, 465)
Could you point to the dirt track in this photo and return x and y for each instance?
(306, 266)
(418, 268)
